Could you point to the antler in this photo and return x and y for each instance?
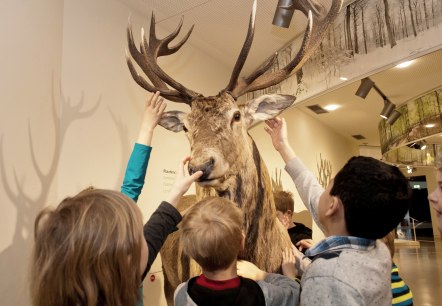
(146, 59)
(318, 23)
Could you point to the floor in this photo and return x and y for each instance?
(421, 269)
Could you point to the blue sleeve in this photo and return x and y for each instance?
(136, 171)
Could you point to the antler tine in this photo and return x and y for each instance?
(139, 59)
(318, 23)
(261, 69)
(146, 59)
(161, 46)
(244, 51)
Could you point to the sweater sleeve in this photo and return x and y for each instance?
(162, 222)
(136, 171)
(279, 290)
(307, 185)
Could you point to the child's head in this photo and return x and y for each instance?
(375, 196)
(89, 250)
(211, 233)
(435, 197)
(284, 204)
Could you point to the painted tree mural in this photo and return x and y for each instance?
(362, 28)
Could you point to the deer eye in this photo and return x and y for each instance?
(237, 116)
(185, 129)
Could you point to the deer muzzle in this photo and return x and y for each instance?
(206, 167)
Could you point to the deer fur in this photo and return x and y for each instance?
(216, 133)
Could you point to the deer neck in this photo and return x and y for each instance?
(250, 189)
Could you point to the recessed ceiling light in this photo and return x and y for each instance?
(430, 125)
(332, 107)
(404, 64)
(343, 78)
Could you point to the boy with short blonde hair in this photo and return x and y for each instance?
(211, 233)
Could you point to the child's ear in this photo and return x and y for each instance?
(334, 207)
(290, 213)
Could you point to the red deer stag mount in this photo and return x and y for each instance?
(216, 125)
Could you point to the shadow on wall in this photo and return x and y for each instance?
(17, 255)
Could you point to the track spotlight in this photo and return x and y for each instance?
(393, 117)
(418, 145)
(414, 145)
(388, 109)
(283, 13)
(364, 88)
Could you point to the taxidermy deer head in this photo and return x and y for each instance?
(217, 126)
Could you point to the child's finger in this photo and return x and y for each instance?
(161, 106)
(182, 166)
(152, 99)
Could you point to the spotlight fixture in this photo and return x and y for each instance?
(393, 117)
(364, 88)
(283, 13)
(388, 109)
(418, 145)
(414, 145)
(388, 112)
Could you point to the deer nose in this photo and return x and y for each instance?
(206, 167)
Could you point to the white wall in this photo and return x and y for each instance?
(31, 38)
(76, 47)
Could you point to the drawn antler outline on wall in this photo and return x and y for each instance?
(27, 206)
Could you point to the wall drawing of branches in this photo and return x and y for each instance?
(277, 182)
(324, 168)
(27, 206)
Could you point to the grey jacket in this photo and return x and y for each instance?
(356, 276)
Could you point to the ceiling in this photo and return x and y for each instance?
(220, 29)
(221, 26)
(358, 116)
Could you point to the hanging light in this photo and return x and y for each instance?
(388, 109)
(364, 88)
(393, 117)
(283, 13)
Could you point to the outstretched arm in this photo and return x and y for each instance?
(153, 111)
(306, 183)
(166, 217)
(278, 289)
(136, 167)
(277, 129)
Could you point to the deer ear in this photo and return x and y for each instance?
(266, 107)
(172, 121)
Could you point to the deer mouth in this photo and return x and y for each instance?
(205, 181)
(209, 182)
